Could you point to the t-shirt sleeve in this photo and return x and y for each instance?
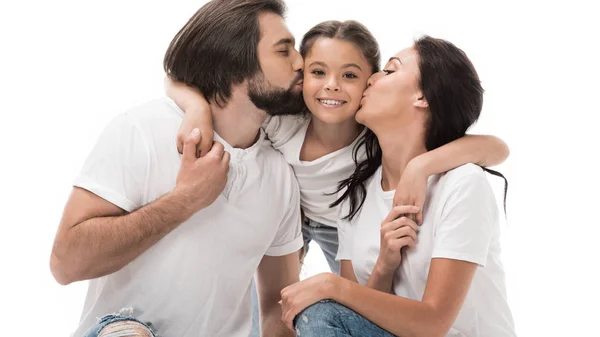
(467, 221)
(116, 168)
(288, 238)
(280, 129)
(345, 233)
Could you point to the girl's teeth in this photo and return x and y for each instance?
(331, 102)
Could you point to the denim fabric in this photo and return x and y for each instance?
(331, 319)
(326, 237)
(103, 322)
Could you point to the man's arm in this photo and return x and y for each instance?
(97, 238)
(273, 274)
(347, 271)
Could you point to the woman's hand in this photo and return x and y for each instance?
(197, 115)
(412, 188)
(397, 231)
(301, 295)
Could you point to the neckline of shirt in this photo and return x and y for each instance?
(348, 148)
(236, 154)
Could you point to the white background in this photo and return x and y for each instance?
(68, 67)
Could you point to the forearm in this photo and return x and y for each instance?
(271, 324)
(103, 245)
(381, 279)
(398, 315)
(476, 149)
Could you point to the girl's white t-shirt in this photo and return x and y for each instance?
(318, 179)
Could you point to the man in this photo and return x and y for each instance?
(171, 243)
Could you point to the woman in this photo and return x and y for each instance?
(443, 278)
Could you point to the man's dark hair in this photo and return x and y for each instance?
(217, 47)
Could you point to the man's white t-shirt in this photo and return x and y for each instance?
(460, 222)
(196, 280)
(318, 179)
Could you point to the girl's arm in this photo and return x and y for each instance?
(481, 150)
(197, 115)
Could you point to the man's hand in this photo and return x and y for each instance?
(201, 180)
(397, 231)
(412, 189)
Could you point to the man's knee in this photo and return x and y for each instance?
(125, 328)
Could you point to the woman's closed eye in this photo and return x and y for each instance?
(387, 71)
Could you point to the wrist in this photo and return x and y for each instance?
(179, 205)
(420, 165)
(339, 287)
(381, 270)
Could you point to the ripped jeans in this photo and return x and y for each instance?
(120, 324)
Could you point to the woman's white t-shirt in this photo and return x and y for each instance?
(318, 179)
(461, 223)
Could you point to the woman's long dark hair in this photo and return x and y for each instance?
(453, 91)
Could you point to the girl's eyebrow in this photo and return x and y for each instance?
(318, 63)
(348, 65)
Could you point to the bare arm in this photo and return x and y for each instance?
(480, 150)
(97, 238)
(197, 115)
(381, 279)
(476, 149)
(447, 287)
(347, 271)
(274, 274)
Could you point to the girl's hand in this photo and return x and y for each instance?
(197, 115)
(412, 189)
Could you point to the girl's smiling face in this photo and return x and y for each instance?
(335, 76)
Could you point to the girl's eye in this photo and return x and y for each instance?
(387, 72)
(350, 75)
(318, 72)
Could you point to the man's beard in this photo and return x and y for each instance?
(274, 100)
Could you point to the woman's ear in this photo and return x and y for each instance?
(421, 102)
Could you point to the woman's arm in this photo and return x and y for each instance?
(447, 287)
(398, 232)
(197, 115)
